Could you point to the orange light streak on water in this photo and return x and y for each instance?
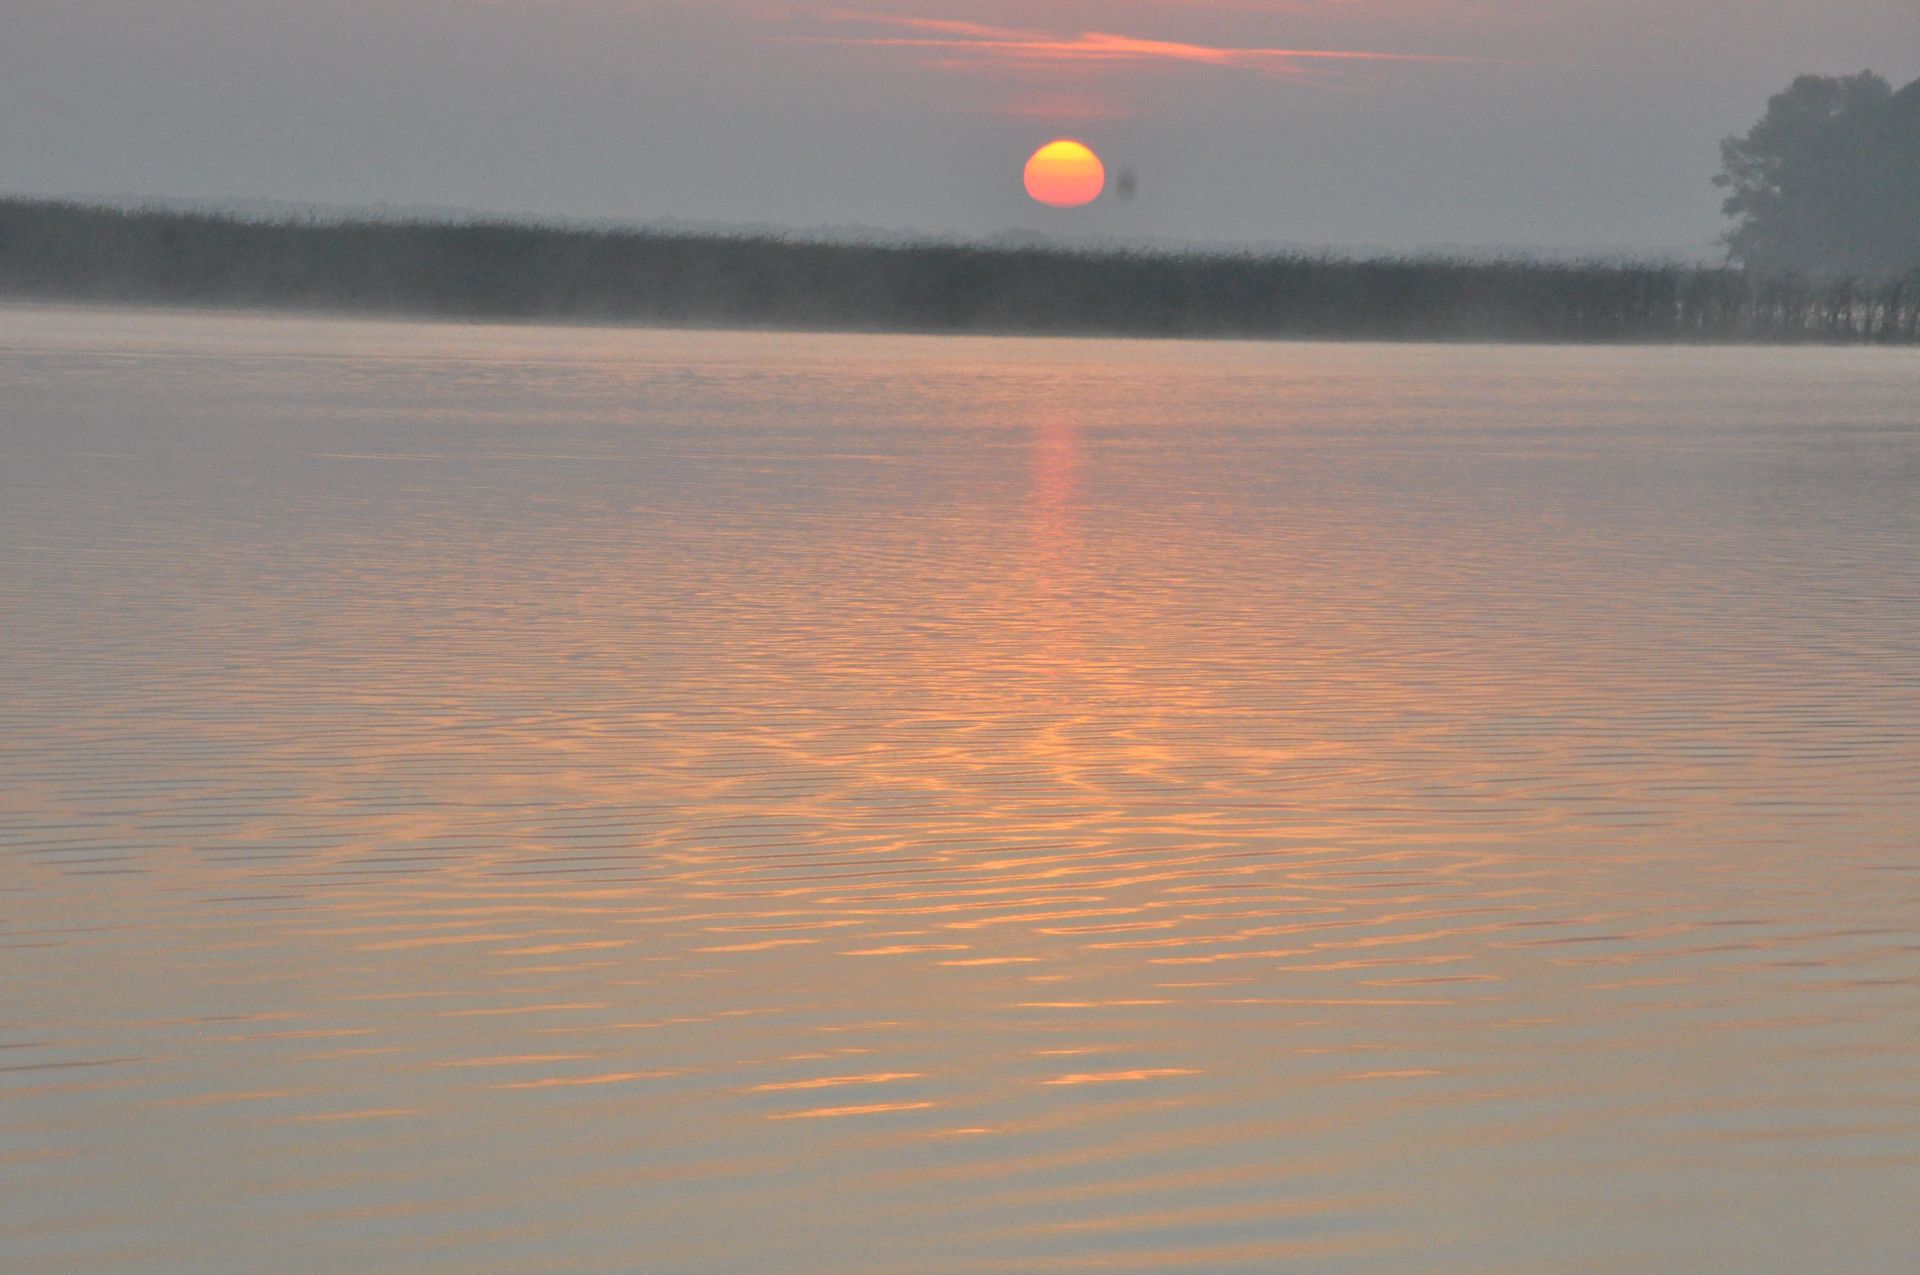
(476, 798)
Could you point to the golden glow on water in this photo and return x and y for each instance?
(477, 798)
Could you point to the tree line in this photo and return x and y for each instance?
(60, 250)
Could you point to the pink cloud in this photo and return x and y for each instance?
(981, 42)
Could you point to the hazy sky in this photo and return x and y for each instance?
(1396, 123)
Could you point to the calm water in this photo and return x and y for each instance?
(492, 799)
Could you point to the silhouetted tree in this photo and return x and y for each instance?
(1828, 182)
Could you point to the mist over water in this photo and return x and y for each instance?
(482, 799)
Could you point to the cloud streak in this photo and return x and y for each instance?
(954, 41)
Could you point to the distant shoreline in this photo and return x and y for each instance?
(499, 271)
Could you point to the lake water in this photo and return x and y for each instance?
(494, 799)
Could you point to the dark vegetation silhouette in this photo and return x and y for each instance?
(55, 250)
(1827, 184)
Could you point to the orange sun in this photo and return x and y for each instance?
(1065, 174)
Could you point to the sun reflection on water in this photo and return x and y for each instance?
(479, 796)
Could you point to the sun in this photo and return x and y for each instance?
(1065, 174)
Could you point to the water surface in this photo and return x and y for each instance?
(494, 799)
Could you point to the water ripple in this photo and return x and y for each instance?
(488, 798)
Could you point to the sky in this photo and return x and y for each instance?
(1347, 124)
